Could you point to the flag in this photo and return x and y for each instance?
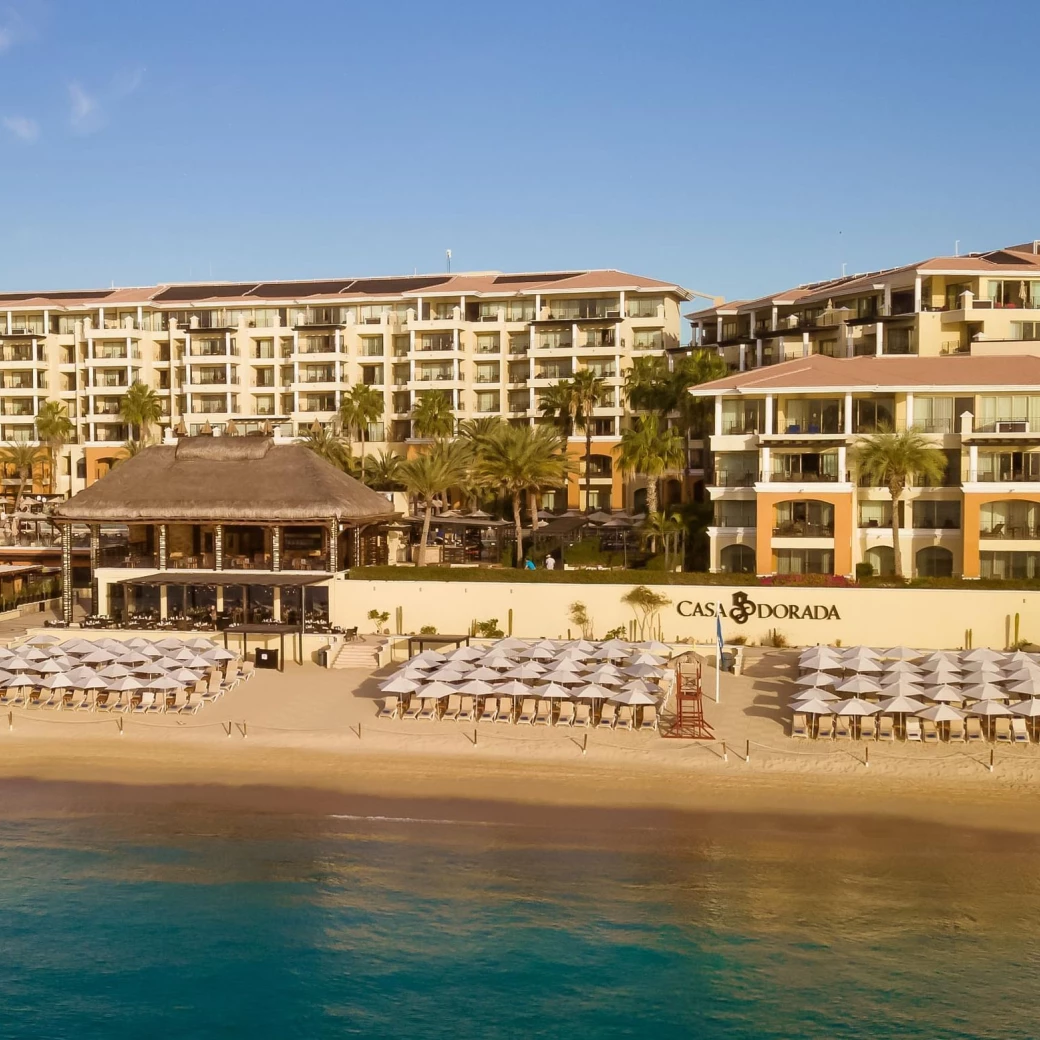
(718, 629)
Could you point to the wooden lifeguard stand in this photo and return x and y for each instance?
(689, 722)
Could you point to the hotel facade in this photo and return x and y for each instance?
(951, 347)
(285, 353)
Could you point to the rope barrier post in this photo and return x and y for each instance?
(359, 731)
(725, 753)
(474, 736)
(119, 721)
(584, 743)
(866, 758)
(229, 726)
(747, 752)
(10, 721)
(991, 760)
(245, 729)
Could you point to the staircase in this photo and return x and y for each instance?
(361, 654)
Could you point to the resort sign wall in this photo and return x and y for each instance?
(742, 608)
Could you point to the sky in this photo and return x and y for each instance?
(735, 148)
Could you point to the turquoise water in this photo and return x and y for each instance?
(135, 921)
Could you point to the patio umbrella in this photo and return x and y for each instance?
(47, 667)
(92, 682)
(431, 657)
(509, 643)
(538, 653)
(982, 653)
(593, 692)
(655, 646)
(148, 668)
(819, 695)
(819, 658)
(483, 673)
(645, 671)
(99, 655)
(943, 694)
(499, 664)
(901, 704)
(448, 674)
(901, 653)
(583, 645)
(606, 678)
(632, 697)
(17, 664)
(151, 651)
(812, 707)
(57, 681)
(465, 653)
(113, 671)
(572, 654)
(645, 658)
(197, 662)
(642, 686)
(984, 692)
(861, 665)
(940, 675)
(860, 651)
(162, 682)
(609, 653)
(218, 653)
(166, 662)
(854, 706)
(131, 658)
(32, 653)
(814, 679)
(1029, 688)
(1029, 709)
(982, 668)
(395, 684)
(185, 675)
(42, 639)
(477, 688)
(1021, 657)
(989, 709)
(527, 670)
(436, 690)
(565, 677)
(200, 643)
(858, 684)
(551, 691)
(940, 713)
(514, 688)
(901, 668)
(903, 687)
(124, 683)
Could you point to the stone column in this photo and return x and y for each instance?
(276, 548)
(162, 547)
(66, 573)
(95, 562)
(218, 547)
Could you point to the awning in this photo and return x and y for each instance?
(281, 579)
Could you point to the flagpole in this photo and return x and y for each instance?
(718, 649)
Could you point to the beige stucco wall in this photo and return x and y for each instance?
(878, 617)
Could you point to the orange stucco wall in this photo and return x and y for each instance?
(970, 518)
(843, 529)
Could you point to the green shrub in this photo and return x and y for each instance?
(428, 630)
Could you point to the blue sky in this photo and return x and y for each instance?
(735, 148)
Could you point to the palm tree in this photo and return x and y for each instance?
(587, 388)
(668, 527)
(479, 429)
(361, 406)
(140, 408)
(892, 459)
(648, 449)
(21, 456)
(383, 471)
(431, 474)
(130, 449)
(523, 459)
(326, 444)
(55, 429)
(557, 403)
(432, 415)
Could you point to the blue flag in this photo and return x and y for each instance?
(718, 631)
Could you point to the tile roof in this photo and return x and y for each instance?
(820, 372)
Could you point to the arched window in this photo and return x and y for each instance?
(738, 559)
(672, 493)
(1009, 519)
(934, 562)
(639, 500)
(882, 559)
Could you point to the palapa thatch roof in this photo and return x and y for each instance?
(230, 479)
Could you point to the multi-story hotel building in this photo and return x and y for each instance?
(950, 346)
(285, 352)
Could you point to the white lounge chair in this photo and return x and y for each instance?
(582, 715)
(490, 710)
(1019, 731)
(428, 709)
(146, 702)
(505, 709)
(527, 712)
(543, 713)
(453, 708)
(624, 718)
(467, 710)
(566, 715)
(390, 708)
(608, 713)
(413, 709)
(913, 729)
(194, 702)
(648, 720)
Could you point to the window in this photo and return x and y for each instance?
(1025, 330)
(1009, 465)
(1014, 292)
(264, 376)
(812, 415)
(994, 408)
(742, 417)
(804, 561)
(934, 414)
(900, 341)
(263, 348)
(569, 307)
(554, 339)
(371, 346)
(1009, 565)
(489, 343)
(736, 468)
(648, 339)
(738, 559)
(803, 519)
(486, 373)
(263, 404)
(934, 562)
(435, 341)
(871, 414)
(318, 402)
(643, 306)
(402, 344)
(519, 400)
(882, 560)
(487, 401)
(372, 375)
(1009, 519)
(805, 466)
(931, 514)
(953, 301)
(736, 514)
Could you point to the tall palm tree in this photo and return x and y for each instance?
(587, 389)
(431, 474)
(521, 460)
(130, 449)
(557, 403)
(326, 444)
(55, 429)
(433, 416)
(360, 406)
(668, 527)
(479, 429)
(21, 456)
(650, 449)
(140, 407)
(892, 459)
(383, 471)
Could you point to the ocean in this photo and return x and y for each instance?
(121, 918)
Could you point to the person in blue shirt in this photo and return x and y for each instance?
(528, 564)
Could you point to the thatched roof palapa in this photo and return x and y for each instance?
(226, 479)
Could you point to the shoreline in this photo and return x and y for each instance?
(310, 781)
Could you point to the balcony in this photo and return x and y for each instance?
(803, 529)
(777, 476)
(1010, 532)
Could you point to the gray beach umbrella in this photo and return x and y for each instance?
(815, 656)
(593, 692)
(860, 651)
(18, 664)
(124, 683)
(131, 658)
(477, 688)
(895, 668)
(610, 653)
(432, 657)
(940, 676)
(940, 713)
(642, 686)
(185, 675)
(448, 674)
(170, 643)
(632, 697)
(984, 692)
(901, 653)
(854, 706)
(509, 643)
(989, 709)
(19, 680)
(218, 653)
(862, 665)
(943, 694)
(551, 691)
(572, 654)
(99, 655)
(58, 681)
(113, 671)
(397, 684)
(162, 682)
(606, 679)
(908, 684)
(645, 658)
(514, 688)
(1029, 709)
(655, 646)
(42, 639)
(148, 668)
(858, 684)
(4, 676)
(197, 662)
(466, 653)
(92, 682)
(970, 668)
(644, 671)
(499, 663)
(483, 673)
(436, 690)
(814, 679)
(32, 653)
(813, 707)
(982, 653)
(937, 657)
(1019, 671)
(901, 704)
(47, 667)
(1029, 688)
(564, 677)
(527, 670)
(814, 694)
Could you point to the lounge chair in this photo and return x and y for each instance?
(193, 704)
(649, 717)
(527, 711)
(624, 718)
(467, 710)
(108, 702)
(389, 709)
(52, 700)
(798, 725)
(886, 728)
(429, 708)
(1019, 732)
(582, 715)
(955, 731)
(176, 699)
(200, 686)
(1003, 730)
(543, 713)
(505, 710)
(913, 729)
(490, 710)
(34, 697)
(974, 728)
(247, 668)
(825, 727)
(412, 711)
(214, 688)
(929, 731)
(77, 700)
(607, 716)
(145, 702)
(868, 728)
(843, 727)
(566, 716)
(454, 707)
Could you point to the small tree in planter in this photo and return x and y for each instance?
(380, 617)
(578, 615)
(647, 604)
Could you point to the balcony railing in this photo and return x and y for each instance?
(803, 529)
(734, 478)
(1010, 477)
(800, 477)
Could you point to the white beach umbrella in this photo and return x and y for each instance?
(982, 653)
(162, 682)
(99, 655)
(1020, 671)
(57, 681)
(32, 653)
(19, 680)
(552, 691)
(4, 676)
(148, 668)
(113, 671)
(483, 673)
(862, 666)
(218, 653)
(644, 671)
(895, 668)
(819, 658)
(131, 658)
(609, 653)
(437, 690)
(92, 682)
(860, 651)
(970, 668)
(509, 643)
(451, 673)
(940, 713)
(1021, 657)
(816, 679)
(645, 658)
(813, 707)
(1029, 688)
(605, 669)
(169, 663)
(197, 662)
(42, 639)
(655, 646)
(200, 642)
(527, 670)
(185, 675)
(814, 694)
(564, 677)
(433, 657)
(47, 667)
(170, 643)
(477, 688)
(938, 657)
(902, 688)
(514, 688)
(538, 653)
(572, 654)
(398, 684)
(17, 664)
(151, 651)
(854, 706)
(943, 694)
(858, 684)
(941, 675)
(901, 704)
(1029, 709)
(632, 697)
(124, 683)
(138, 642)
(466, 653)
(984, 692)
(499, 663)
(989, 709)
(607, 679)
(642, 686)
(901, 653)
(592, 692)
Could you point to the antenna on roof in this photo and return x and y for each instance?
(843, 266)
(447, 256)
(957, 248)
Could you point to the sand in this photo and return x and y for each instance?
(311, 733)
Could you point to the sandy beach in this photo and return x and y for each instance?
(309, 738)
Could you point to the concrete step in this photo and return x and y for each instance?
(358, 655)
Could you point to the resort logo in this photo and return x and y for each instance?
(742, 607)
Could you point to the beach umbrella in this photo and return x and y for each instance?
(813, 679)
(860, 651)
(862, 665)
(162, 682)
(551, 691)
(448, 674)
(431, 657)
(642, 686)
(984, 692)
(114, 671)
(47, 667)
(644, 671)
(200, 642)
(902, 688)
(943, 694)
(1021, 657)
(197, 662)
(632, 697)
(71, 646)
(895, 668)
(131, 657)
(938, 657)
(482, 673)
(477, 688)
(817, 694)
(509, 643)
(466, 653)
(436, 690)
(592, 692)
(527, 670)
(538, 653)
(17, 664)
(645, 658)
(5, 652)
(57, 681)
(605, 669)
(940, 675)
(99, 655)
(218, 653)
(812, 707)
(32, 653)
(1029, 709)
(148, 668)
(858, 684)
(901, 704)
(170, 643)
(395, 684)
(514, 688)
(92, 682)
(42, 639)
(565, 677)
(1028, 688)
(124, 683)
(184, 675)
(989, 708)
(901, 653)
(982, 668)
(609, 653)
(167, 662)
(4, 676)
(940, 713)
(138, 642)
(982, 653)
(819, 658)
(571, 655)
(854, 706)
(19, 680)
(499, 664)
(655, 646)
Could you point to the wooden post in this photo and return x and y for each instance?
(991, 760)
(10, 720)
(359, 731)
(474, 736)
(66, 573)
(725, 753)
(584, 743)
(747, 751)
(866, 757)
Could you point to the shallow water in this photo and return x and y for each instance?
(137, 920)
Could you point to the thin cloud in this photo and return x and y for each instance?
(85, 113)
(14, 26)
(128, 82)
(23, 128)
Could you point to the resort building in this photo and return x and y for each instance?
(234, 527)
(787, 499)
(284, 353)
